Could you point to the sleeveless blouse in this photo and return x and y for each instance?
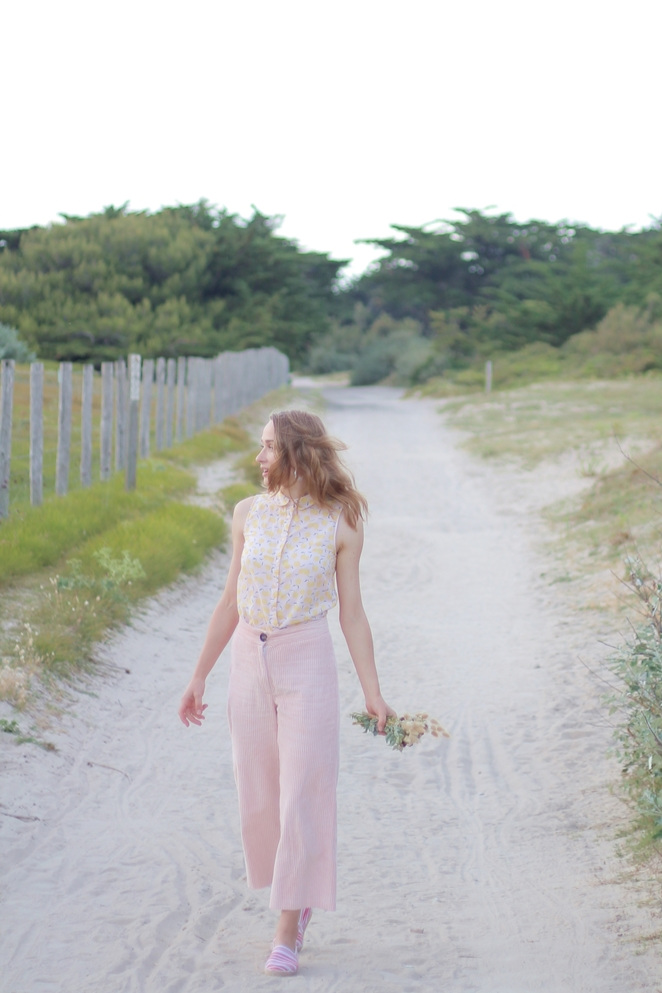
(288, 563)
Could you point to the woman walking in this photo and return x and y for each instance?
(296, 551)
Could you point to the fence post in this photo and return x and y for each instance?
(234, 377)
(218, 389)
(106, 426)
(36, 433)
(160, 403)
(64, 376)
(207, 394)
(199, 394)
(146, 407)
(181, 397)
(171, 373)
(7, 385)
(86, 426)
(121, 414)
(191, 391)
(132, 433)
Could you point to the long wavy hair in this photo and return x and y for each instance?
(305, 451)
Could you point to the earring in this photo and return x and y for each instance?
(296, 474)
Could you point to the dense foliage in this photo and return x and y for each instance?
(188, 280)
(196, 280)
(446, 296)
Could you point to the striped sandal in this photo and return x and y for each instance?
(282, 962)
(304, 921)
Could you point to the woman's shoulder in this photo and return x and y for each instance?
(349, 536)
(242, 509)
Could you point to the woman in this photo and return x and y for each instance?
(289, 544)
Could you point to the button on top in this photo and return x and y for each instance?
(263, 637)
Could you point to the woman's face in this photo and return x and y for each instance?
(267, 454)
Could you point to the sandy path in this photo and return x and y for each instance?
(479, 864)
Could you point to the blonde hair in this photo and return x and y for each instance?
(304, 450)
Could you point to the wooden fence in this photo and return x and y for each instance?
(144, 406)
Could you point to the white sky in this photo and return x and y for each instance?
(344, 117)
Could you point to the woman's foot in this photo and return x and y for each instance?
(304, 921)
(282, 962)
(287, 929)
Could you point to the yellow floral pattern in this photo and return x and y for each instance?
(288, 563)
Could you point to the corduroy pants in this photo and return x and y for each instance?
(284, 722)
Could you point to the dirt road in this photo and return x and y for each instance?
(484, 864)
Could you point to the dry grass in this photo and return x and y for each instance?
(603, 438)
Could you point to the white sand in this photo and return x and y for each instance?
(485, 863)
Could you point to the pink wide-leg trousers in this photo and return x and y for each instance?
(284, 722)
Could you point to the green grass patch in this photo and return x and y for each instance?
(171, 539)
(209, 445)
(34, 538)
(67, 557)
(99, 589)
(76, 567)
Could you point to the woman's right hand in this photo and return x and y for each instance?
(192, 709)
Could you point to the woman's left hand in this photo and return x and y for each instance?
(378, 707)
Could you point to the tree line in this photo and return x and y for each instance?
(197, 280)
(186, 280)
(449, 294)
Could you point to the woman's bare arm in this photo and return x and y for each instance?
(353, 620)
(221, 625)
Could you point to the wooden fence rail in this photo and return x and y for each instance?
(144, 405)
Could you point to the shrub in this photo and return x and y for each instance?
(627, 340)
(335, 351)
(400, 353)
(374, 364)
(12, 347)
(638, 669)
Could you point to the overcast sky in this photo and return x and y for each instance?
(342, 117)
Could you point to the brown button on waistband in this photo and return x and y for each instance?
(263, 637)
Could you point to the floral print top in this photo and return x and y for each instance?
(288, 563)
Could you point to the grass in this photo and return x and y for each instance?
(543, 420)
(78, 565)
(34, 538)
(606, 432)
(37, 537)
(100, 588)
(63, 566)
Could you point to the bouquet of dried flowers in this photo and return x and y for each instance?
(401, 732)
